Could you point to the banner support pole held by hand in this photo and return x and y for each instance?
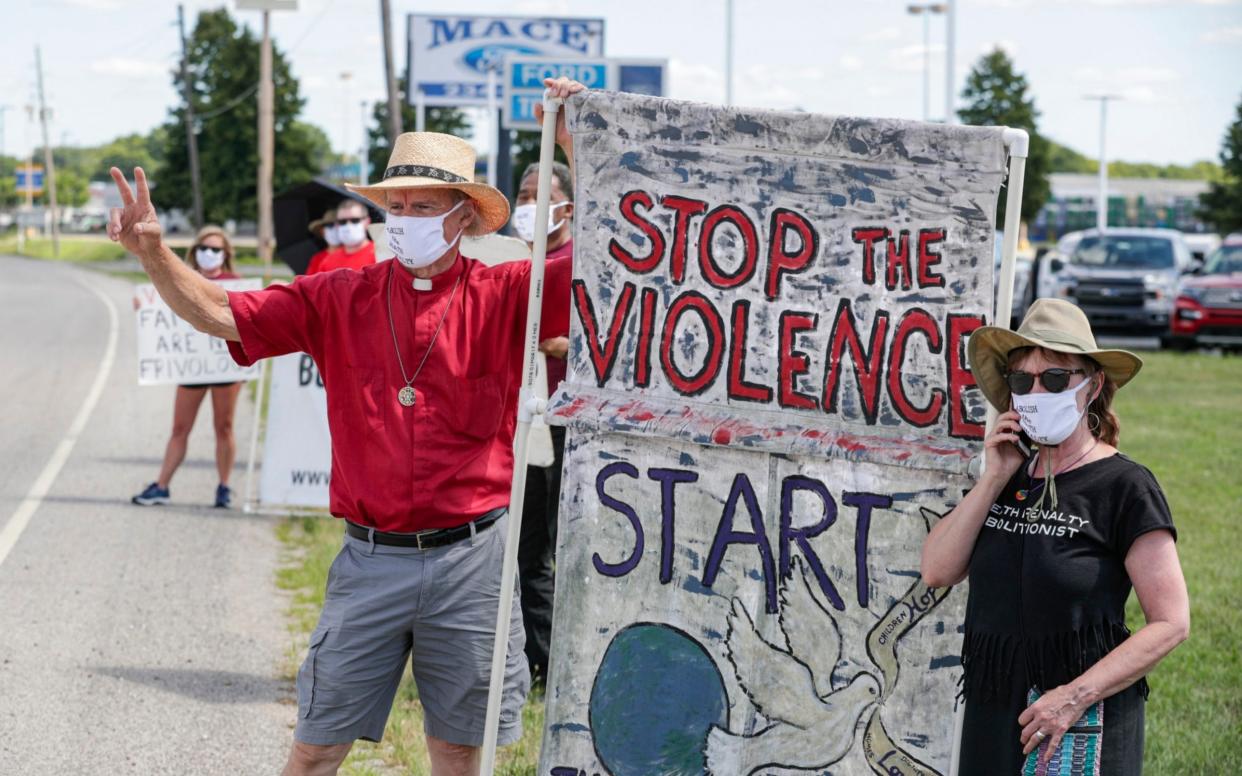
(528, 406)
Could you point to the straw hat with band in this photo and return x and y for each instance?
(1052, 324)
(317, 226)
(434, 160)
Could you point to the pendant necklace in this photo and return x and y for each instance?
(406, 395)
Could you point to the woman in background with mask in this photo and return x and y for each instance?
(212, 256)
(1052, 542)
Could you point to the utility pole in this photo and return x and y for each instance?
(47, 158)
(394, 101)
(3, 110)
(191, 137)
(950, 38)
(267, 145)
(363, 148)
(1101, 206)
(926, 11)
(728, 52)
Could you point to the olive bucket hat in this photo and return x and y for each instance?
(1052, 324)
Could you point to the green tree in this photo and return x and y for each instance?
(126, 153)
(1065, 159)
(525, 152)
(996, 95)
(9, 196)
(224, 73)
(450, 121)
(72, 188)
(1221, 206)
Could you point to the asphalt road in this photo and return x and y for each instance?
(132, 640)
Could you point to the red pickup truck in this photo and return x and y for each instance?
(1208, 309)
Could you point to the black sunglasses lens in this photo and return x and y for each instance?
(1055, 380)
(1020, 382)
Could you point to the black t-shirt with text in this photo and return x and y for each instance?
(1048, 588)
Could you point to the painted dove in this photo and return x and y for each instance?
(812, 723)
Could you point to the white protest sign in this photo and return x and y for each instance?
(297, 446)
(450, 55)
(768, 406)
(170, 351)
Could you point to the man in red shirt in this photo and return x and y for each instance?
(421, 357)
(356, 249)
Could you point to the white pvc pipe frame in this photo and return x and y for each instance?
(528, 406)
(1018, 143)
(1016, 140)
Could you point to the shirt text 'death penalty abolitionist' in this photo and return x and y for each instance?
(448, 458)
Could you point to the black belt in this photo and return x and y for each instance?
(425, 540)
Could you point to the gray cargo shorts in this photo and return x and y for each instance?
(436, 607)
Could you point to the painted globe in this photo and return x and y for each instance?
(657, 694)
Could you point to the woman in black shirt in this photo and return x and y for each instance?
(1052, 543)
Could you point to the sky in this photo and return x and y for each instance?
(1177, 64)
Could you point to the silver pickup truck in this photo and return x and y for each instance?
(1125, 280)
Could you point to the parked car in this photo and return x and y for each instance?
(1202, 245)
(1049, 265)
(1023, 292)
(1125, 280)
(1208, 308)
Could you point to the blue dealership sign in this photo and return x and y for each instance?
(523, 82)
(450, 56)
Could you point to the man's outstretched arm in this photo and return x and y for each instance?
(195, 299)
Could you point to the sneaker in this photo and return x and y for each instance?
(223, 496)
(153, 495)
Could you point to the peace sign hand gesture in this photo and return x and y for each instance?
(135, 226)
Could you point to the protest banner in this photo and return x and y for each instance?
(172, 352)
(768, 406)
(297, 446)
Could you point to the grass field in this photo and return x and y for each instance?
(1182, 417)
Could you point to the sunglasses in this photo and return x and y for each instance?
(343, 221)
(1054, 380)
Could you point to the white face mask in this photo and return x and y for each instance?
(1049, 418)
(418, 241)
(209, 258)
(524, 220)
(351, 234)
(330, 236)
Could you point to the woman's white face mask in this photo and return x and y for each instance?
(1049, 418)
(209, 259)
(524, 220)
(418, 241)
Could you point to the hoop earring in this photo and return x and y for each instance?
(1090, 427)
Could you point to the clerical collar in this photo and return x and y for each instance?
(422, 284)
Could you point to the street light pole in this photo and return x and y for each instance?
(267, 146)
(191, 138)
(926, 11)
(49, 164)
(728, 52)
(1101, 207)
(950, 40)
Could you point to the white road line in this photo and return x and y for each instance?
(43, 483)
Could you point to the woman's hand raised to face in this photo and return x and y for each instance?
(1001, 447)
(135, 225)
